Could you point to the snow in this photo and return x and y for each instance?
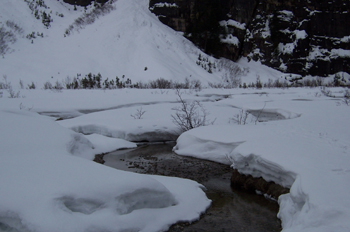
(300, 34)
(47, 186)
(233, 23)
(340, 53)
(286, 48)
(49, 182)
(325, 54)
(309, 153)
(306, 149)
(345, 39)
(289, 47)
(162, 4)
(285, 15)
(230, 39)
(265, 32)
(165, 53)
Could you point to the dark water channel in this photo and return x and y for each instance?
(231, 210)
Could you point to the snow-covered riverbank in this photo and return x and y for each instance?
(309, 154)
(49, 188)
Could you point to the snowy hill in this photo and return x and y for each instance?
(121, 38)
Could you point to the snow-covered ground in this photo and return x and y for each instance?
(49, 188)
(307, 152)
(49, 182)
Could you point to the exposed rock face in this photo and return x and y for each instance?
(83, 2)
(304, 37)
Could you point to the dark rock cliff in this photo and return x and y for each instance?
(84, 2)
(308, 37)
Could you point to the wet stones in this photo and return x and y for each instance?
(253, 184)
(99, 158)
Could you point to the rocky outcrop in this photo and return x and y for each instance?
(84, 2)
(305, 37)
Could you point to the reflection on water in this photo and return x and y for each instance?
(231, 210)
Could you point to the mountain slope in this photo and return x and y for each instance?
(122, 38)
(303, 37)
(128, 41)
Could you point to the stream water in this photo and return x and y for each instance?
(231, 210)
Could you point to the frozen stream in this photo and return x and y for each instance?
(231, 210)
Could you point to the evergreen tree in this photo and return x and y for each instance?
(46, 19)
(106, 83)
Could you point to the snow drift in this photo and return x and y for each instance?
(47, 188)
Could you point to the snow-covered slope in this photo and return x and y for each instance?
(122, 42)
(121, 38)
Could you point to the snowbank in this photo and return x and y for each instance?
(46, 187)
(310, 154)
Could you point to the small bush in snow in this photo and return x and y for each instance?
(47, 85)
(12, 93)
(58, 86)
(189, 115)
(326, 92)
(346, 99)
(160, 83)
(258, 83)
(139, 113)
(21, 85)
(31, 86)
(240, 118)
(8, 86)
(23, 107)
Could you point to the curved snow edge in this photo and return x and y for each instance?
(138, 136)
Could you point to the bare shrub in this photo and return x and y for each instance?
(241, 117)
(258, 83)
(269, 83)
(346, 99)
(4, 85)
(58, 86)
(196, 85)
(216, 85)
(47, 85)
(160, 83)
(326, 92)
(21, 85)
(31, 86)
(281, 84)
(139, 113)
(13, 93)
(189, 115)
(8, 86)
(23, 107)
